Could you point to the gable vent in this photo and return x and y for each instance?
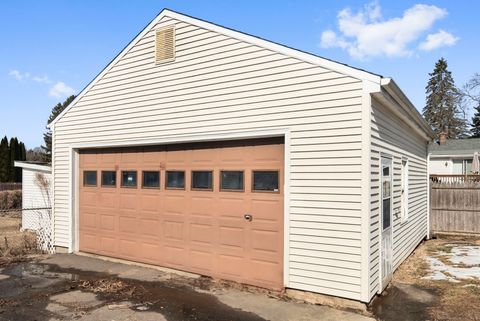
(165, 44)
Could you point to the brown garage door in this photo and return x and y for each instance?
(187, 207)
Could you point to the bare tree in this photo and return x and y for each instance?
(471, 97)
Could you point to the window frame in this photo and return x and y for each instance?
(176, 188)
(159, 179)
(121, 178)
(109, 186)
(265, 191)
(231, 190)
(201, 189)
(85, 181)
(404, 190)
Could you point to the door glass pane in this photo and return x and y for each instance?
(231, 180)
(151, 179)
(202, 180)
(129, 178)
(265, 181)
(386, 188)
(90, 178)
(386, 171)
(386, 213)
(175, 179)
(109, 178)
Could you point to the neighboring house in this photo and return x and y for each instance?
(205, 149)
(453, 156)
(35, 194)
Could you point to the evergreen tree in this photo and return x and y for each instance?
(23, 151)
(13, 157)
(475, 130)
(442, 110)
(4, 160)
(47, 136)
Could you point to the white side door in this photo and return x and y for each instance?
(386, 220)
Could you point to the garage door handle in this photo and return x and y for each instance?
(248, 217)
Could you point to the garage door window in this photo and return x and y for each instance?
(89, 178)
(175, 180)
(265, 181)
(231, 180)
(109, 179)
(129, 179)
(202, 180)
(151, 179)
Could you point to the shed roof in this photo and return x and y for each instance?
(37, 166)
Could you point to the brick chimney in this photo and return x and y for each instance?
(443, 138)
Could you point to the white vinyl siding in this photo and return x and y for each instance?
(219, 84)
(33, 196)
(390, 135)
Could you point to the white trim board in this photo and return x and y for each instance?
(281, 132)
(462, 156)
(35, 167)
(295, 53)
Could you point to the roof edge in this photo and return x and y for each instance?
(394, 90)
(295, 53)
(38, 167)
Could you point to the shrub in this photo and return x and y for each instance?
(10, 200)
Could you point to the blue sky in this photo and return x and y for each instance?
(51, 49)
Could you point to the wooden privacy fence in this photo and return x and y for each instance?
(10, 186)
(455, 205)
(454, 178)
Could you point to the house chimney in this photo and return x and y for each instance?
(443, 138)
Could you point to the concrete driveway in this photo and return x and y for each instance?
(64, 287)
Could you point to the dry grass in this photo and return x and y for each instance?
(15, 245)
(457, 301)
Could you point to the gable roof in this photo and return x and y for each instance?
(455, 147)
(295, 53)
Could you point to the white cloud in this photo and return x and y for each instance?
(43, 80)
(438, 40)
(60, 89)
(18, 75)
(367, 34)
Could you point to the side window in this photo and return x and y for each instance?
(109, 178)
(405, 183)
(265, 181)
(231, 181)
(129, 179)
(89, 178)
(151, 179)
(175, 180)
(202, 180)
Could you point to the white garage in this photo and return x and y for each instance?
(145, 158)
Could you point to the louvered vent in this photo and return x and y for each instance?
(165, 44)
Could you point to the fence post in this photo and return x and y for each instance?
(429, 191)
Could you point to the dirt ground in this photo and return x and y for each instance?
(417, 293)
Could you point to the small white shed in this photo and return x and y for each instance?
(36, 196)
